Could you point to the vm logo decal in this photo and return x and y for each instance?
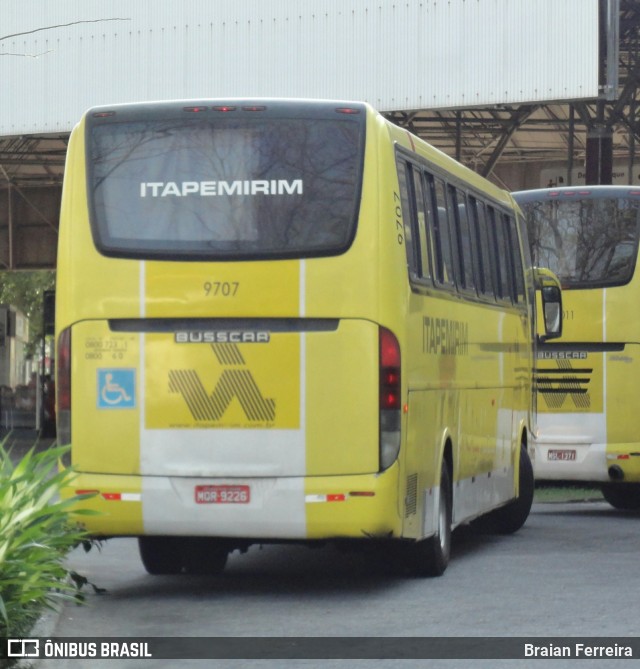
(235, 381)
(557, 385)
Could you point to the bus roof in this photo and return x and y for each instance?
(580, 192)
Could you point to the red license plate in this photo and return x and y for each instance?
(222, 494)
(561, 454)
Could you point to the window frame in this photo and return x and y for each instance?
(483, 214)
(442, 233)
(458, 198)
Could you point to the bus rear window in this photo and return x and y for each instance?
(224, 188)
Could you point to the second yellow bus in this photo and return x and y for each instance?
(586, 381)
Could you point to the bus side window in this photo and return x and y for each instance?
(497, 232)
(407, 218)
(516, 258)
(442, 240)
(463, 240)
(423, 232)
(478, 223)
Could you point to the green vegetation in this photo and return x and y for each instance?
(25, 291)
(36, 534)
(567, 492)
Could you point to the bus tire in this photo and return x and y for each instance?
(204, 555)
(511, 517)
(430, 557)
(623, 496)
(160, 555)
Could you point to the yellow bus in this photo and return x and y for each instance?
(288, 321)
(585, 381)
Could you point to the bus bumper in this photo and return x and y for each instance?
(270, 509)
(565, 461)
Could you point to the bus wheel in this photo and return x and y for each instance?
(512, 517)
(160, 555)
(430, 557)
(624, 496)
(204, 555)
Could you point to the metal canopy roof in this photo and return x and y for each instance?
(480, 137)
(33, 160)
(483, 137)
(488, 139)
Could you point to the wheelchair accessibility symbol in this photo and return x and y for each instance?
(116, 388)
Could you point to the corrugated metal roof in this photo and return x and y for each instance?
(395, 55)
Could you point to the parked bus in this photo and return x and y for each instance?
(288, 321)
(588, 423)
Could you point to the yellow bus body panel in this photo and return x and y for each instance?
(195, 290)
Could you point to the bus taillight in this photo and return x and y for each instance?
(63, 387)
(390, 398)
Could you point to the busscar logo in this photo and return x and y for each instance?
(236, 381)
(219, 188)
(565, 381)
(222, 337)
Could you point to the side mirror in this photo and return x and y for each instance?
(551, 295)
(552, 309)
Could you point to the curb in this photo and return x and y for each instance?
(43, 628)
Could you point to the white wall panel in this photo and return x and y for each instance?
(396, 55)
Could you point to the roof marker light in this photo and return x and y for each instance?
(347, 110)
(223, 108)
(194, 109)
(254, 108)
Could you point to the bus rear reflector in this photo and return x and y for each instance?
(390, 398)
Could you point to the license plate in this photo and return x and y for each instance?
(222, 494)
(561, 454)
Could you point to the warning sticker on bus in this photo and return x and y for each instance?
(222, 494)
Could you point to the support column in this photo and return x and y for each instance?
(10, 223)
(599, 155)
(632, 140)
(572, 134)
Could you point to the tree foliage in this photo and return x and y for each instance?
(25, 291)
(37, 531)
